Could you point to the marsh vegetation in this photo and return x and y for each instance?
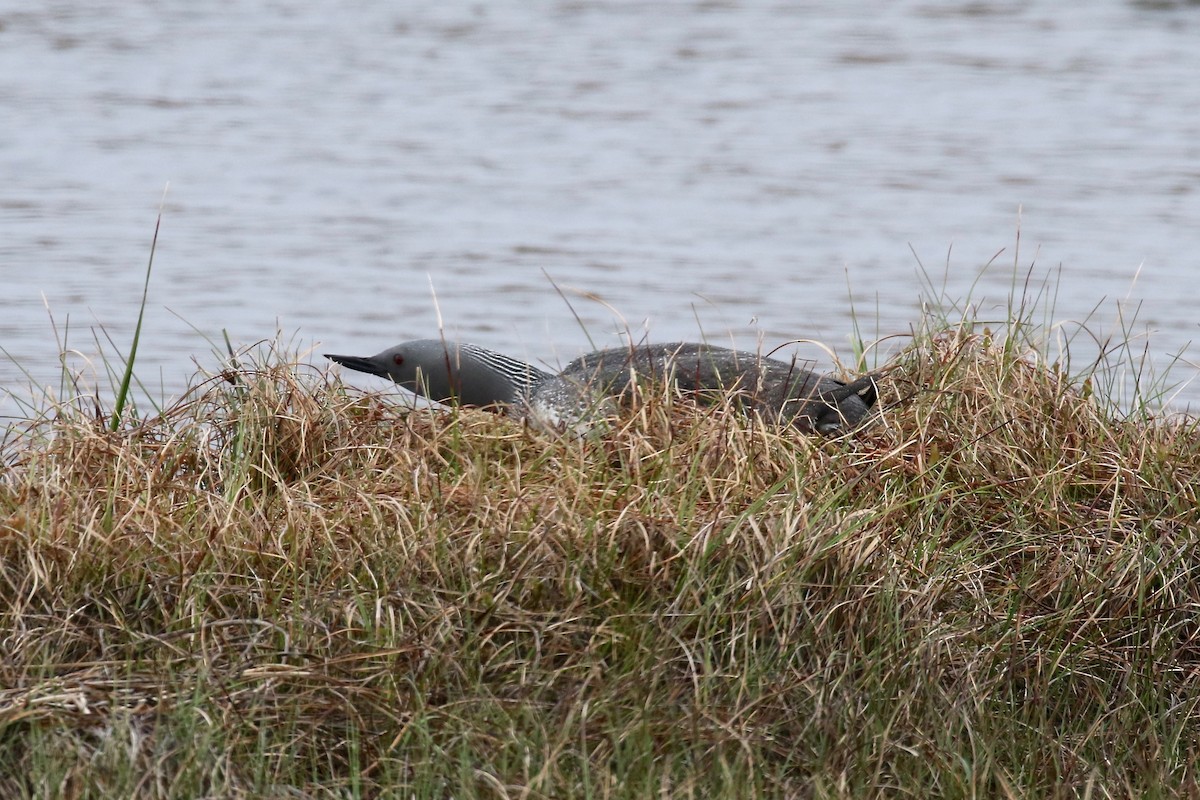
(279, 586)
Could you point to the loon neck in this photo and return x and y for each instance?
(513, 378)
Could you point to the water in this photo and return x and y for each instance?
(739, 170)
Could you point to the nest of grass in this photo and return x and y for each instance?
(280, 587)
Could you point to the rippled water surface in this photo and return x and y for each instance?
(737, 170)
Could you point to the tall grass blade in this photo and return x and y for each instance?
(127, 379)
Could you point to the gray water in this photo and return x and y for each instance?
(746, 172)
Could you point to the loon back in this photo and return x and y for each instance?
(777, 390)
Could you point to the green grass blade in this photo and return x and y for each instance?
(127, 379)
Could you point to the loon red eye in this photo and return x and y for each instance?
(398, 359)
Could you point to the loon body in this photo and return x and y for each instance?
(590, 386)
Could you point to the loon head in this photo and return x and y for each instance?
(450, 372)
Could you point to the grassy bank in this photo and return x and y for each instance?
(282, 587)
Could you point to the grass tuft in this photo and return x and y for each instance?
(279, 586)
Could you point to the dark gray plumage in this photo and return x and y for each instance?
(586, 391)
(779, 391)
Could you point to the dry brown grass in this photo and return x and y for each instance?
(284, 588)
